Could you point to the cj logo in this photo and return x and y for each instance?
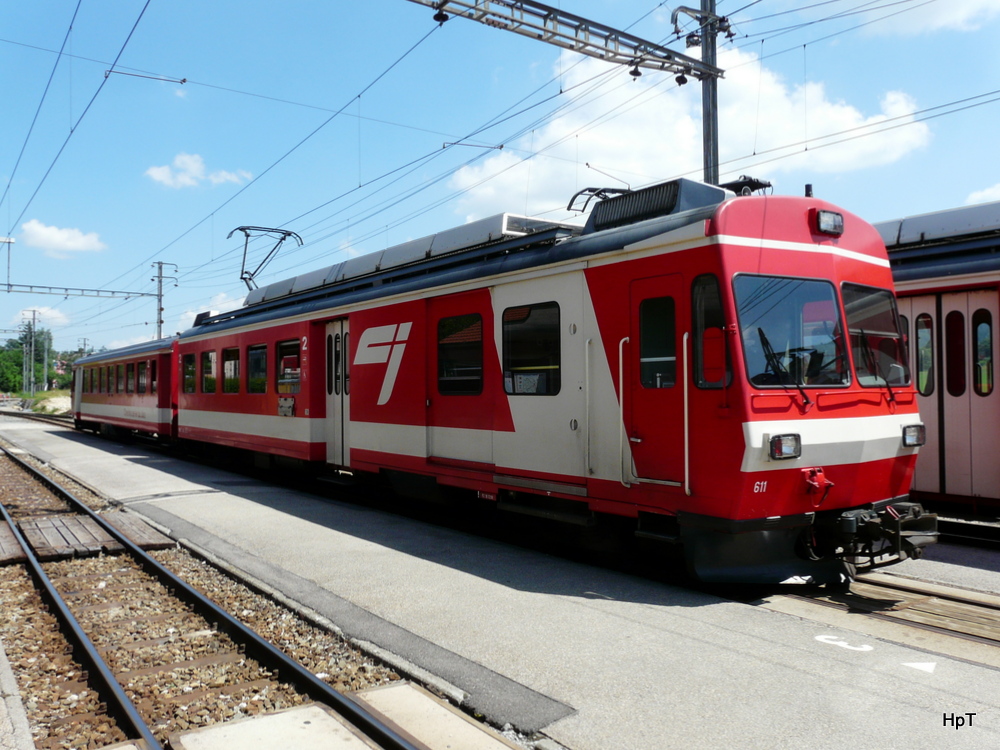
(384, 344)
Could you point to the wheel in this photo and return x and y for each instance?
(847, 574)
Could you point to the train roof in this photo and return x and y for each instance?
(501, 243)
(954, 242)
(135, 350)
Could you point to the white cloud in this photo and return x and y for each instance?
(925, 18)
(759, 113)
(220, 303)
(217, 178)
(655, 134)
(188, 170)
(58, 242)
(988, 195)
(46, 317)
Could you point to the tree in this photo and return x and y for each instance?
(12, 361)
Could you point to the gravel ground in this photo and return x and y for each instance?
(178, 670)
(62, 711)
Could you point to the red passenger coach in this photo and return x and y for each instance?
(126, 389)
(253, 389)
(728, 372)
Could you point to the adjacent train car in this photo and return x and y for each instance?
(946, 267)
(127, 389)
(729, 372)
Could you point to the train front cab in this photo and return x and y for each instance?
(829, 423)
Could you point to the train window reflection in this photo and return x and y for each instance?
(925, 354)
(904, 326)
(209, 377)
(791, 331)
(982, 353)
(876, 340)
(954, 348)
(188, 373)
(531, 357)
(706, 304)
(140, 372)
(231, 370)
(657, 343)
(460, 355)
(257, 368)
(289, 368)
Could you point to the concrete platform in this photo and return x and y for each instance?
(14, 731)
(591, 658)
(303, 728)
(430, 721)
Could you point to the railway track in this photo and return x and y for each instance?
(937, 618)
(63, 420)
(958, 531)
(143, 655)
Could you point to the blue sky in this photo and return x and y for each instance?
(329, 119)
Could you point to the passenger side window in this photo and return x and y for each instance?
(188, 375)
(231, 370)
(289, 368)
(531, 344)
(257, 368)
(460, 355)
(209, 378)
(706, 309)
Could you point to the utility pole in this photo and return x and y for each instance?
(8, 241)
(159, 293)
(587, 37)
(29, 379)
(709, 26)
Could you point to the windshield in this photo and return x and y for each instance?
(876, 342)
(791, 331)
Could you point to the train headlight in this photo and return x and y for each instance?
(830, 222)
(785, 446)
(914, 435)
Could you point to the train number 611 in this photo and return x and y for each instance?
(760, 486)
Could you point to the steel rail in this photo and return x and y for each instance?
(972, 534)
(936, 592)
(385, 735)
(120, 707)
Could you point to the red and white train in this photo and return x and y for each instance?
(727, 371)
(946, 267)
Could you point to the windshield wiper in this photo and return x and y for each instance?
(872, 362)
(779, 368)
